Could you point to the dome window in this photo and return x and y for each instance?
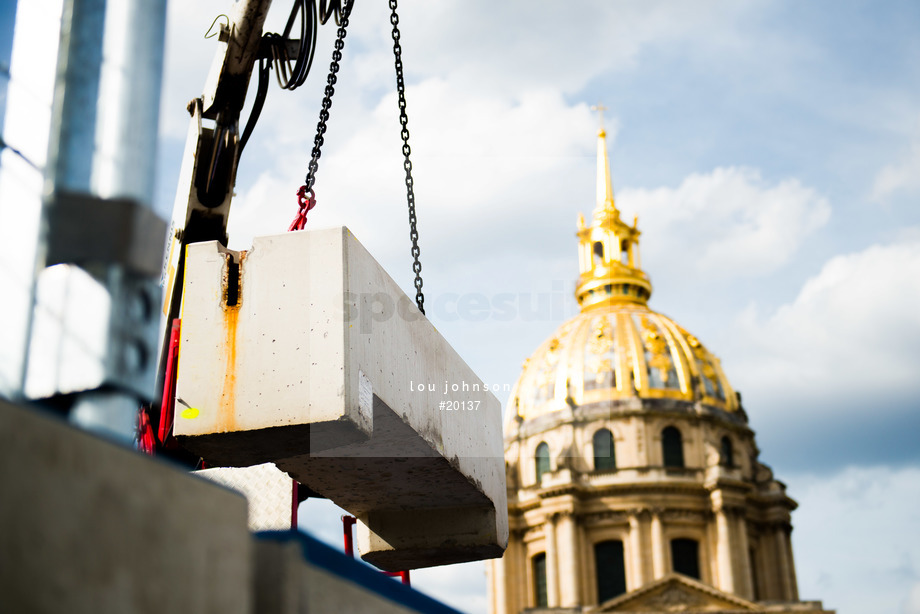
(598, 253)
(685, 557)
(542, 458)
(539, 580)
(672, 447)
(624, 252)
(604, 451)
(726, 454)
(610, 569)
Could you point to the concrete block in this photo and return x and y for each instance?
(268, 491)
(304, 352)
(88, 526)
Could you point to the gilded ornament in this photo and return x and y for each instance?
(552, 354)
(703, 358)
(601, 338)
(600, 369)
(657, 346)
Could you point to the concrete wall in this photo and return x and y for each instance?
(88, 526)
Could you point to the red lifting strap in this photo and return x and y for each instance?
(168, 405)
(347, 523)
(145, 440)
(306, 200)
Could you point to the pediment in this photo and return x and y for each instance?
(677, 593)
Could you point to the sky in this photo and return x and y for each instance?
(770, 148)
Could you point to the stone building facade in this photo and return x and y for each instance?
(634, 482)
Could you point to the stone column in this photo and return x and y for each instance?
(519, 563)
(724, 551)
(586, 548)
(793, 588)
(793, 583)
(635, 558)
(552, 565)
(568, 556)
(782, 560)
(746, 580)
(499, 581)
(658, 553)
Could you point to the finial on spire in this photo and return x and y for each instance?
(608, 247)
(604, 186)
(600, 108)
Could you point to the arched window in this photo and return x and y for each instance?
(726, 455)
(672, 447)
(604, 452)
(610, 568)
(539, 580)
(685, 557)
(542, 458)
(624, 252)
(598, 253)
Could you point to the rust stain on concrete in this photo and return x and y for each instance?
(226, 412)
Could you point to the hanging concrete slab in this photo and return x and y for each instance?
(303, 352)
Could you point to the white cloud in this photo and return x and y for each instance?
(509, 46)
(461, 586)
(912, 602)
(496, 160)
(187, 59)
(726, 224)
(900, 176)
(855, 539)
(853, 330)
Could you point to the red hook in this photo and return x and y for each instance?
(306, 200)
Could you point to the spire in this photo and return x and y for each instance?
(604, 186)
(609, 247)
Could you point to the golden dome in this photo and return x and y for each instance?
(616, 352)
(616, 348)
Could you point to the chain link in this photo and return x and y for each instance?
(407, 164)
(327, 101)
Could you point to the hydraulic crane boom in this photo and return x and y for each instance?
(208, 172)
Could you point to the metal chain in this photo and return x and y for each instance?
(407, 164)
(306, 196)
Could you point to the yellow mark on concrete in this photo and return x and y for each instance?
(190, 413)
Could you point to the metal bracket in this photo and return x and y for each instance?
(87, 230)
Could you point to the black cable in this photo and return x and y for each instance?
(273, 52)
(257, 104)
(291, 78)
(19, 154)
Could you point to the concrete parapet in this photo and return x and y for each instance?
(88, 526)
(296, 574)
